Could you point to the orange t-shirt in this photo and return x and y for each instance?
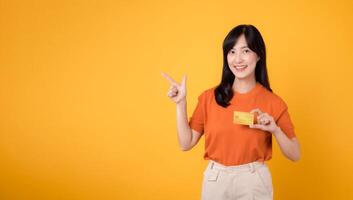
(234, 144)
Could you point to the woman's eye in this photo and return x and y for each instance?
(246, 51)
(232, 52)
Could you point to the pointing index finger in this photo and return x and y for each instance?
(170, 79)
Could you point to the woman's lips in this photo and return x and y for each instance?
(240, 67)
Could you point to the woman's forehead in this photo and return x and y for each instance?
(241, 43)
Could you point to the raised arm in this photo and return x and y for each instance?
(187, 137)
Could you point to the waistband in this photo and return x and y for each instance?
(252, 166)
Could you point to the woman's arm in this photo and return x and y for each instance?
(289, 147)
(187, 137)
(184, 130)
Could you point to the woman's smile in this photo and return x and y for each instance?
(240, 67)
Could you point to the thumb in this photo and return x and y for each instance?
(256, 110)
(183, 81)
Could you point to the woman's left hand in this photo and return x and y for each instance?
(265, 121)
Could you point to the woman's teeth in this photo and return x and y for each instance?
(241, 68)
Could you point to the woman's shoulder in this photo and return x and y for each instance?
(210, 90)
(274, 103)
(207, 93)
(274, 98)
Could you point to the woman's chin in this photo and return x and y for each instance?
(241, 76)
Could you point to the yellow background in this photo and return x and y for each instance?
(84, 112)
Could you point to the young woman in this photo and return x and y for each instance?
(237, 152)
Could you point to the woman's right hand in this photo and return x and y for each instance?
(177, 91)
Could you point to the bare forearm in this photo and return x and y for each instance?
(184, 130)
(288, 147)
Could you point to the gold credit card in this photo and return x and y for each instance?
(244, 118)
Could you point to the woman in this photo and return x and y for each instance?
(237, 149)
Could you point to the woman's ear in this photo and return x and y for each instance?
(258, 58)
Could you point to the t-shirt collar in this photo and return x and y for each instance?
(250, 93)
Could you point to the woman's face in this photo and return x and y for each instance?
(242, 60)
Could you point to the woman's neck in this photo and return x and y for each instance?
(243, 85)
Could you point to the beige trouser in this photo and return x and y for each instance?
(252, 181)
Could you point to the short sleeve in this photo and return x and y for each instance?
(283, 120)
(197, 120)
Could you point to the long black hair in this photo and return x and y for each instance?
(223, 92)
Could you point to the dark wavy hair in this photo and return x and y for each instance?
(224, 92)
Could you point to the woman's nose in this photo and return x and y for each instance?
(238, 58)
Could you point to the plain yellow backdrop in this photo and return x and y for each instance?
(84, 108)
